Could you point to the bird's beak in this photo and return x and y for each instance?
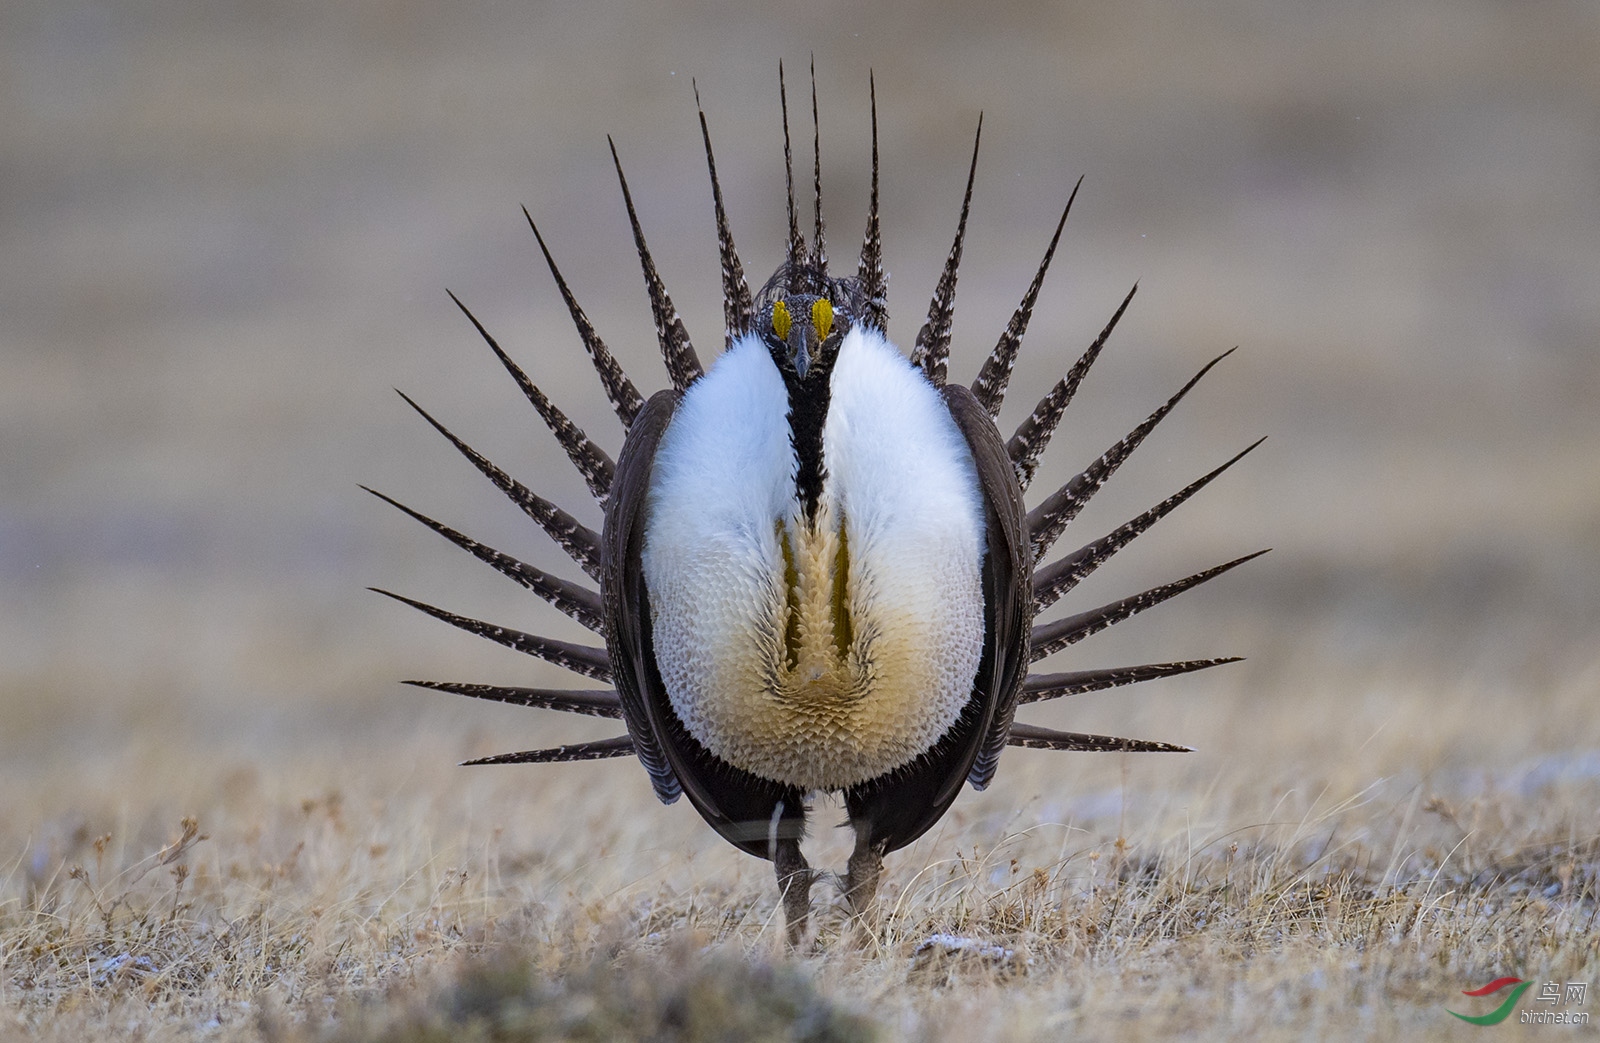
(800, 351)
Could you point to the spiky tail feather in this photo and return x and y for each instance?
(1033, 434)
(1039, 687)
(580, 659)
(990, 384)
(599, 749)
(932, 349)
(580, 542)
(624, 397)
(1054, 636)
(591, 461)
(578, 602)
(683, 365)
(869, 272)
(738, 310)
(1050, 518)
(1060, 576)
(598, 702)
(1035, 738)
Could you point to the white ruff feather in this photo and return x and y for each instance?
(769, 660)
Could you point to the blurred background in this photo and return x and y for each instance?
(226, 230)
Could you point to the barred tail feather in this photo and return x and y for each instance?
(1036, 738)
(587, 702)
(1055, 579)
(624, 397)
(819, 249)
(580, 659)
(932, 349)
(990, 385)
(683, 365)
(1049, 519)
(797, 244)
(578, 602)
(1039, 687)
(591, 461)
(580, 542)
(1058, 634)
(599, 749)
(738, 310)
(869, 272)
(1033, 434)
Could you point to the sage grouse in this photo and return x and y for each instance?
(816, 571)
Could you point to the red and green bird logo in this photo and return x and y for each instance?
(1501, 1012)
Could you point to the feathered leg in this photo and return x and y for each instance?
(861, 878)
(795, 878)
(785, 829)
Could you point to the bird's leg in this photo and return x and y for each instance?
(866, 867)
(794, 884)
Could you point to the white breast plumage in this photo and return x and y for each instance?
(816, 655)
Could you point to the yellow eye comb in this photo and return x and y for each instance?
(822, 318)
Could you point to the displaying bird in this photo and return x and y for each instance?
(817, 570)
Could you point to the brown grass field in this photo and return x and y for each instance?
(224, 236)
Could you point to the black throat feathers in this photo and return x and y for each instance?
(808, 410)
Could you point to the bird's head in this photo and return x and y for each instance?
(802, 316)
(802, 331)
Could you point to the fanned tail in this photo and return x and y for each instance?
(865, 296)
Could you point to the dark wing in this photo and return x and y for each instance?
(749, 812)
(1007, 579)
(901, 806)
(623, 599)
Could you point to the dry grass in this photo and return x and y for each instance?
(383, 894)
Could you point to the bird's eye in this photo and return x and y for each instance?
(822, 318)
(780, 320)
